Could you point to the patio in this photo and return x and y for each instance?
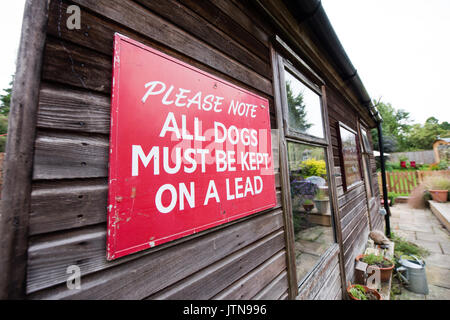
(421, 227)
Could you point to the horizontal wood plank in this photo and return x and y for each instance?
(133, 16)
(68, 156)
(204, 285)
(252, 283)
(57, 206)
(73, 65)
(197, 25)
(73, 110)
(275, 289)
(136, 276)
(315, 280)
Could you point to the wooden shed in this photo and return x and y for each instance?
(55, 191)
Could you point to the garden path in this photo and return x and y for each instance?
(421, 227)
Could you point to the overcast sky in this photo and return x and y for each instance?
(11, 14)
(401, 49)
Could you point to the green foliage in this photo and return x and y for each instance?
(297, 112)
(5, 100)
(421, 137)
(395, 126)
(443, 165)
(373, 259)
(321, 195)
(403, 247)
(313, 167)
(399, 134)
(437, 183)
(358, 292)
(3, 131)
(394, 195)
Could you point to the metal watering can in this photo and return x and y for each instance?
(416, 278)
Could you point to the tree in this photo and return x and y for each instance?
(421, 137)
(297, 112)
(395, 127)
(5, 100)
(5, 104)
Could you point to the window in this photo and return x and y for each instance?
(366, 148)
(310, 200)
(304, 108)
(307, 149)
(350, 156)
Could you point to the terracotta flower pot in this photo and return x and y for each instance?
(439, 195)
(308, 207)
(367, 289)
(385, 273)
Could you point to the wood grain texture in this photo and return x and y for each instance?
(133, 16)
(73, 110)
(136, 276)
(317, 278)
(60, 155)
(204, 285)
(201, 28)
(18, 163)
(76, 66)
(252, 283)
(63, 205)
(274, 289)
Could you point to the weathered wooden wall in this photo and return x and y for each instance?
(243, 259)
(353, 204)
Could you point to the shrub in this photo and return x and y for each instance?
(405, 248)
(437, 183)
(373, 259)
(313, 167)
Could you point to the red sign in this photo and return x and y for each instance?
(189, 151)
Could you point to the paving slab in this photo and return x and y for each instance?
(438, 293)
(424, 229)
(409, 295)
(413, 227)
(432, 236)
(408, 235)
(445, 245)
(431, 246)
(438, 260)
(437, 276)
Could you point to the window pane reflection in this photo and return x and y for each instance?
(350, 157)
(305, 113)
(311, 209)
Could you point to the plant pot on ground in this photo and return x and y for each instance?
(384, 265)
(308, 205)
(438, 187)
(439, 195)
(322, 202)
(360, 292)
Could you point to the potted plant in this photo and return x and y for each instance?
(403, 160)
(438, 188)
(308, 205)
(359, 292)
(384, 265)
(322, 202)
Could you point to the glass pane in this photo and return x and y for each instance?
(305, 112)
(365, 139)
(311, 210)
(350, 155)
(368, 179)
